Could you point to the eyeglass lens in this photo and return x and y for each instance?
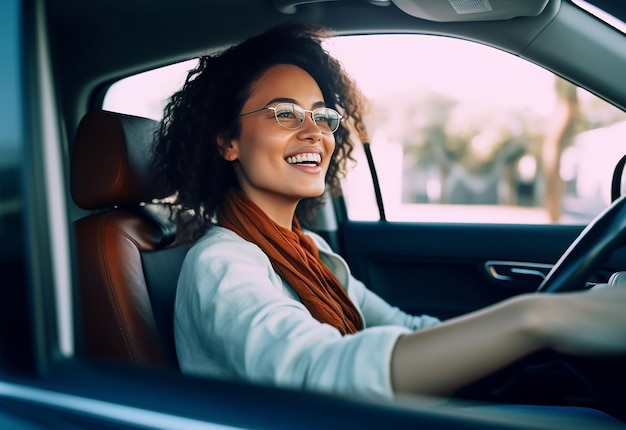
(292, 116)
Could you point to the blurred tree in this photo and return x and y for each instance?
(559, 132)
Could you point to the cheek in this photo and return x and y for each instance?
(329, 147)
(256, 146)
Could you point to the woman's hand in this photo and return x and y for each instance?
(587, 323)
(448, 356)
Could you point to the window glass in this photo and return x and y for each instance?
(475, 135)
(10, 85)
(16, 347)
(11, 139)
(602, 14)
(147, 93)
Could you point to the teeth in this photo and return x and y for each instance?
(305, 158)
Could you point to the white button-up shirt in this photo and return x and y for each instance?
(235, 317)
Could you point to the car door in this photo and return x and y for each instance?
(487, 168)
(448, 270)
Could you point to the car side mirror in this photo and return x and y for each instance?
(618, 184)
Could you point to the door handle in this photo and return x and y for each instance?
(517, 272)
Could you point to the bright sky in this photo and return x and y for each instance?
(449, 66)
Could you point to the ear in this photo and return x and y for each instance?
(227, 147)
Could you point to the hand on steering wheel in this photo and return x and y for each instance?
(606, 377)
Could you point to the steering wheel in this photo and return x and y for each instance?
(605, 377)
(595, 244)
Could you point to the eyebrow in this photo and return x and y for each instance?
(316, 105)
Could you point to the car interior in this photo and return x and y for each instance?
(89, 338)
(128, 261)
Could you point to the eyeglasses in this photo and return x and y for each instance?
(291, 116)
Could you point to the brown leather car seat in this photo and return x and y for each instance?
(128, 261)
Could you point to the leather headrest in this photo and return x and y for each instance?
(110, 165)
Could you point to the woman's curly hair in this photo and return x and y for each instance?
(187, 161)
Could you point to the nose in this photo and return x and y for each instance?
(310, 128)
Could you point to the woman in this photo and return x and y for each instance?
(256, 135)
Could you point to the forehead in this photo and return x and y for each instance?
(285, 81)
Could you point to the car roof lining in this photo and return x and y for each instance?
(444, 11)
(470, 11)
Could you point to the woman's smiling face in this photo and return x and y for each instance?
(277, 167)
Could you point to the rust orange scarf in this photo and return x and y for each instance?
(295, 258)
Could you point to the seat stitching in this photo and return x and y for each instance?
(113, 298)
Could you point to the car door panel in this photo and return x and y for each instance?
(451, 269)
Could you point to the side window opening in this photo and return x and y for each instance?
(477, 135)
(146, 94)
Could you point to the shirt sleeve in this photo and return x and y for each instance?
(375, 311)
(231, 307)
(378, 312)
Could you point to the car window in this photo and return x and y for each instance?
(15, 354)
(11, 147)
(475, 135)
(146, 94)
(478, 135)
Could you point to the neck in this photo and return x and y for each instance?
(279, 209)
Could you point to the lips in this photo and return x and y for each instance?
(306, 159)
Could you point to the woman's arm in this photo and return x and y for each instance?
(235, 318)
(376, 311)
(459, 351)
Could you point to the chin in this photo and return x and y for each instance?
(311, 194)
(312, 190)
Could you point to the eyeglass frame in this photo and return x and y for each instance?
(273, 108)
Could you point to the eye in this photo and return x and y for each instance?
(323, 116)
(285, 113)
(288, 110)
(327, 119)
(289, 115)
